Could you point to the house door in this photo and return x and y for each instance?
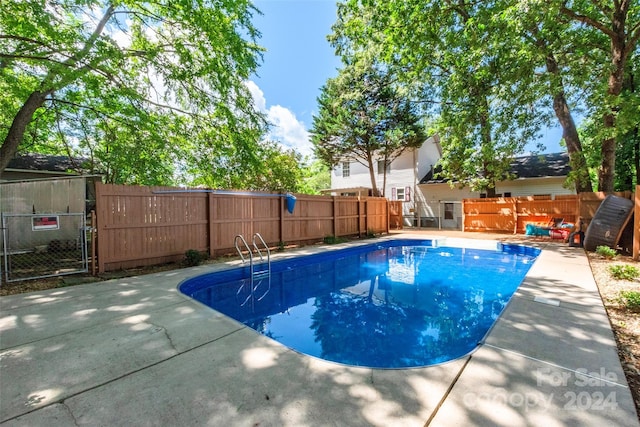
(451, 215)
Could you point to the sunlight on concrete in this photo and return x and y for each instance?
(85, 312)
(42, 397)
(34, 320)
(8, 322)
(126, 308)
(259, 358)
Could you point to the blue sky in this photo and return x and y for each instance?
(298, 61)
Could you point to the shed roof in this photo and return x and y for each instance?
(45, 162)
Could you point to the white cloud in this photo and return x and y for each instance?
(285, 127)
(258, 95)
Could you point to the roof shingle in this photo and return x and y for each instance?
(535, 166)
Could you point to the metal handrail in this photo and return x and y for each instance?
(246, 245)
(255, 245)
(238, 240)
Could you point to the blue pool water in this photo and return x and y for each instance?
(396, 304)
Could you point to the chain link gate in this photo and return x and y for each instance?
(44, 245)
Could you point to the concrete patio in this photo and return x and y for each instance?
(135, 351)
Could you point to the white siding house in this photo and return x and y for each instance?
(537, 175)
(429, 201)
(351, 178)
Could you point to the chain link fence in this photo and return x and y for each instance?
(43, 245)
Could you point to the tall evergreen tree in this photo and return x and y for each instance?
(364, 116)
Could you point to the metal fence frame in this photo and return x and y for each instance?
(10, 250)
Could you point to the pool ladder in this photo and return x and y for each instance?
(257, 278)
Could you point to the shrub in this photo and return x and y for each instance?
(281, 246)
(193, 258)
(631, 299)
(332, 240)
(606, 252)
(370, 233)
(624, 272)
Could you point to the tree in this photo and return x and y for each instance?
(276, 170)
(158, 76)
(619, 23)
(316, 176)
(481, 63)
(280, 170)
(363, 116)
(547, 40)
(459, 54)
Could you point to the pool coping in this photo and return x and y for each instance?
(137, 351)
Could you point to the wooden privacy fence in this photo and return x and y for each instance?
(139, 226)
(512, 214)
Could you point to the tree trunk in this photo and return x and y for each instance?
(606, 176)
(630, 85)
(36, 99)
(620, 52)
(19, 126)
(485, 134)
(569, 131)
(636, 153)
(374, 188)
(574, 146)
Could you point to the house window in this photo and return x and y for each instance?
(448, 211)
(507, 194)
(401, 193)
(382, 168)
(345, 169)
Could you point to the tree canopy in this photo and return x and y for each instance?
(494, 73)
(364, 116)
(137, 87)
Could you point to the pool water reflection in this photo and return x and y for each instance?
(385, 306)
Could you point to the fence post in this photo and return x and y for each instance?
(335, 216)
(464, 216)
(211, 209)
(636, 225)
(100, 218)
(281, 222)
(359, 217)
(366, 214)
(386, 205)
(514, 211)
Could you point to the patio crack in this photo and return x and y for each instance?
(166, 334)
(70, 412)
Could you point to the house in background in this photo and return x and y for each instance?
(535, 175)
(429, 201)
(351, 178)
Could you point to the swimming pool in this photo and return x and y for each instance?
(392, 304)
